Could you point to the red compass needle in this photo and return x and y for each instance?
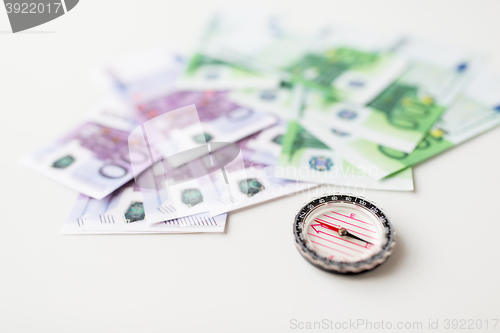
(328, 226)
(340, 231)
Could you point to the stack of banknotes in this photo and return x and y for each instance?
(350, 108)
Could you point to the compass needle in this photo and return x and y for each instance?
(341, 231)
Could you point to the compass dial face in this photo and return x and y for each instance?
(363, 236)
(343, 233)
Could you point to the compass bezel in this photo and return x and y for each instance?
(336, 266)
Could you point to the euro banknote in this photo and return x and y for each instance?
(205, 73)
(476, 111)
(184, 155)
(402, 114)
(253, 182)
(306, 158)
(283, 102)
(175, 192)
(218, 120)
(122, 212)
(344, 63)
(142, 75)
(94, 157)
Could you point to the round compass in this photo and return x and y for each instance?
(342, 233)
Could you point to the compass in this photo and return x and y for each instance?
(343, 233)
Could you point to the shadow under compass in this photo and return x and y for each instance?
(393, 263)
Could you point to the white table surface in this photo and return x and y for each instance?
(251, 278)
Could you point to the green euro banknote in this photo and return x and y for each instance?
(476, 111)
(212, 67)
(402, 114)
(343, 63)
(345, 72)
(284, 102)
(304, 157)
(206, 73)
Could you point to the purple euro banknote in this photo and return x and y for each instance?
(95, 157)
(218, 120)
(140, 75)
(122, 212)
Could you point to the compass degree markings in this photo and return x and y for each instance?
(357, 226)
(351, 217)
